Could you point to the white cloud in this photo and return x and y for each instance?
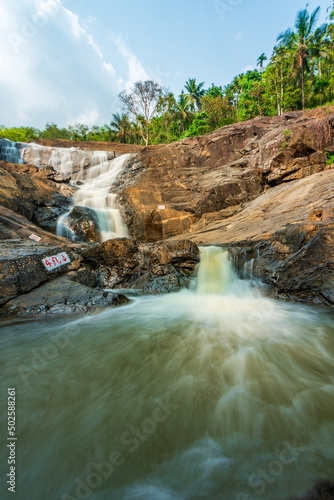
(136, 71)
(52, 69)
(249, 68)
(77, 30)
(89, 117)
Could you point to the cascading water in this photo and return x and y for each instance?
(216, 393)
(94, 192)
(11, 151)
(94, 172)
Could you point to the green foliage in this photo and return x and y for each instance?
(199, 126)
(214, 91)
(298, 74)
(22, 134)
(330, 158)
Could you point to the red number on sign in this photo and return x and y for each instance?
(48, 263)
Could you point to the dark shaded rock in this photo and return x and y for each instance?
(154, 268)
(83, 276)
(312, 267)
(323, 490)
(22, 270)
(18, 228)
(62, 296)
(83, 222)
(46, 217)
(297, 262)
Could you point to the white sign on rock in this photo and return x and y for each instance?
(61, 259)
(34, 237)
(161, 207)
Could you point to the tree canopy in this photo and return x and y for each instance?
(299, 74)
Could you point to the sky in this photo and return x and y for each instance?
(65, 61)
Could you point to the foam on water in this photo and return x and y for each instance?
(201, 394)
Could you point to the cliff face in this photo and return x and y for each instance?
(216, 175)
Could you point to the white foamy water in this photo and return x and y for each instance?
(11, 151)
(92, 171)
(94, 192)
(200, 394)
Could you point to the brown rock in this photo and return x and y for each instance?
(153, 268)
(34, 194)
(84, 223)
(229, 167)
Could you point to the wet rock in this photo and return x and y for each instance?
(84, 276)
(154, 268)
(62, 296)
(22, 270)
(296, 262)
(46, 217)
(83, 222)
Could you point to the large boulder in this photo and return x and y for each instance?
(84, 223)
(297, 262)
(22, 269)
(165, 190)
(153, 268)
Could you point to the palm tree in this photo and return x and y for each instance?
(261, 60)
(121, 127)
(183, 108)
(194, 91)
(303, 42)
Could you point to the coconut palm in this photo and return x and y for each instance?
(261, 60)
(304, 41)
(183, 108)
(120, 127)
(194, 91)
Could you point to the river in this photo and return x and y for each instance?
(214, 392)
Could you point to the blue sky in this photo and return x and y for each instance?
(65, 61)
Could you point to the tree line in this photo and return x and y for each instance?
(298, 75)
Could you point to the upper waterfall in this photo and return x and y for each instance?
(93, 172)
(94, 192)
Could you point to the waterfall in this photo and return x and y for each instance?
(215, 271)
(68, 161)
(94, 192)
(93, 171)
(64, 229)
(12, 151)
